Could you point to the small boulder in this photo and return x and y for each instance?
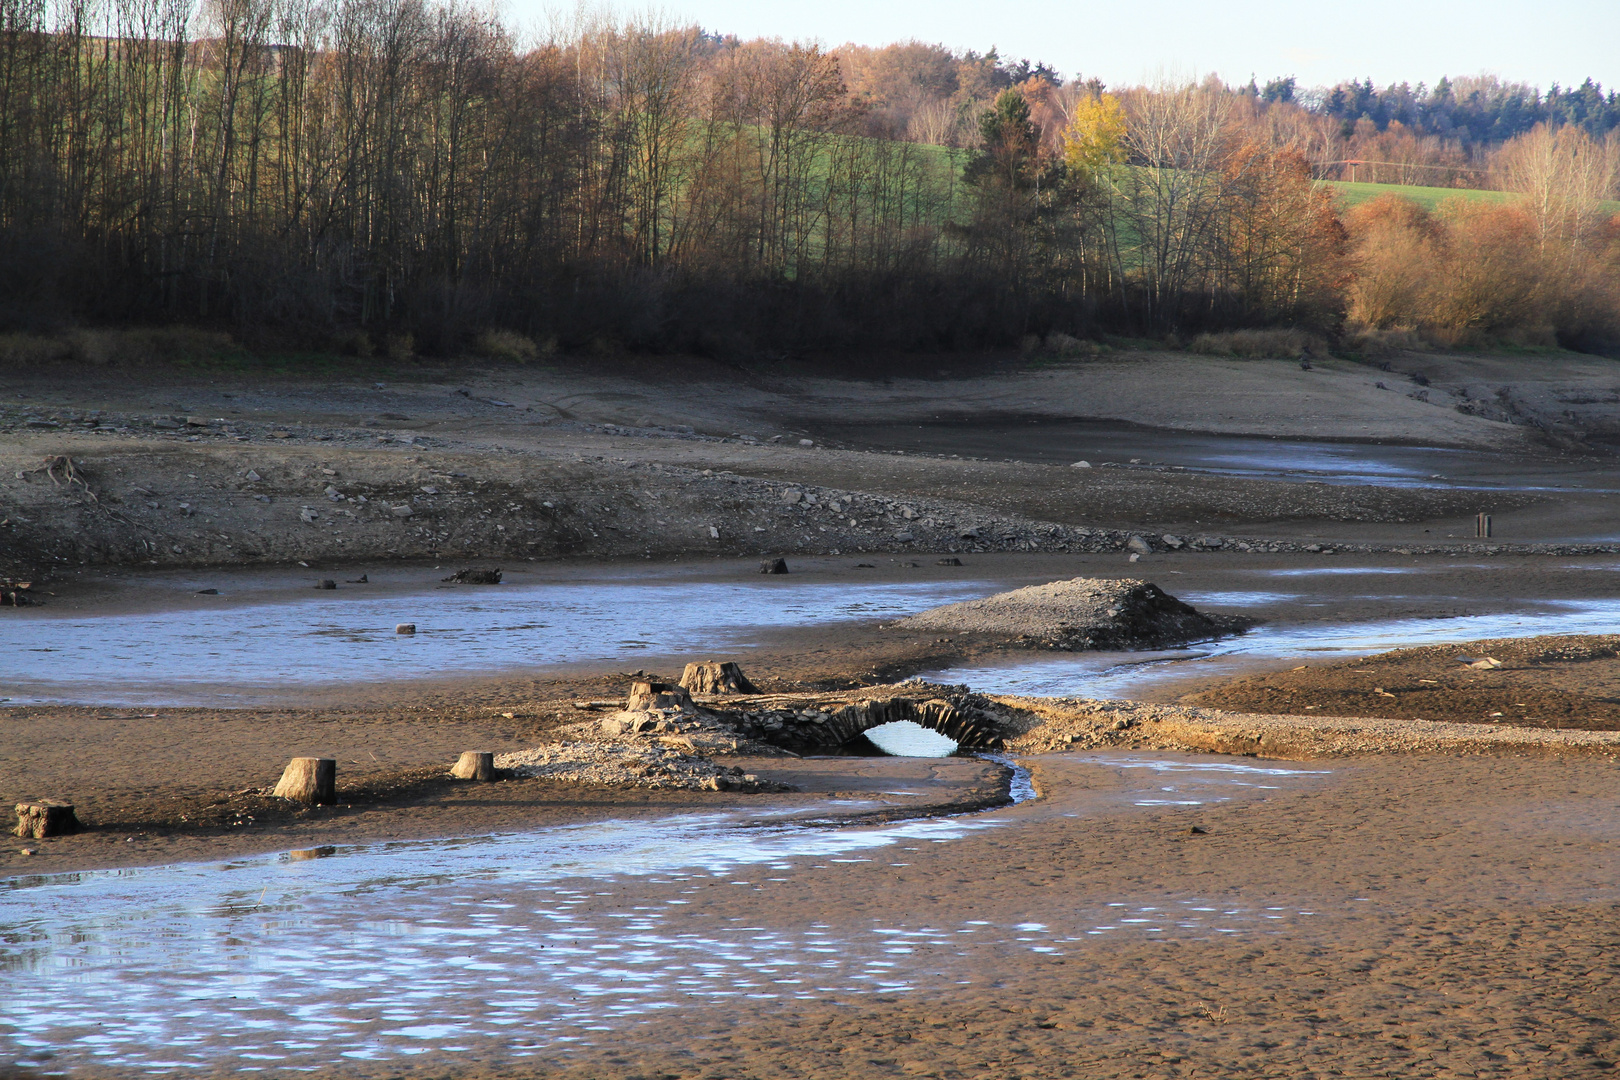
(1139, 545)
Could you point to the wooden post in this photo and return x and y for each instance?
(309, 780)
(45, 817)
(474, 765)
(712, 677)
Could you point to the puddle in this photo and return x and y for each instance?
(241, 654)
(1296, 460)
(520, 946)
(1140, 674)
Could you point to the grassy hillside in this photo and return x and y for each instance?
(1427, 197)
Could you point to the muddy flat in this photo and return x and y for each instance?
(1376, 909)
(1159, 915)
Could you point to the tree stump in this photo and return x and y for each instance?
(45, 817)
(474, 765)
(657, 695)
(711, 677)
(309, 780)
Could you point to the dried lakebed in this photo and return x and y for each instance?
(533, 946)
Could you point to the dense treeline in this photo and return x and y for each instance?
(402, 174)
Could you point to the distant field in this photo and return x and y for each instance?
(1427, 197)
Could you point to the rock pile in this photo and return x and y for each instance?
(637, 764)
(1081, 613)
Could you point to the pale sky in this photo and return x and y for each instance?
(1132, 41)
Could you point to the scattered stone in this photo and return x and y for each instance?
(638, 764)
(361, 580)
(950, 560)
(1139, 545)
(42, 818)
(807, 442)
(307, 514)
(475, 577)
(253, 477)
(716, 677)
(773, 566)
(1174, 543)
(1081, 465)
(401, 511)
(792, 495)
(207, 592)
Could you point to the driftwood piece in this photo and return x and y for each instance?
(476, 577)
(46, 817)
(71, 473)
(712, 677)
(474, 765)
(646, 694)
(309, 780)
(15, 593)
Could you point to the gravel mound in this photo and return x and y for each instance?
(1081, 613)
(636, 765)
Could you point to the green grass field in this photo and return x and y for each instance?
(1427, 197)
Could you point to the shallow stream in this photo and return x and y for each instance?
(528, 943)
(209, 650)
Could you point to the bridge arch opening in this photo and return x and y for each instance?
(907, 738)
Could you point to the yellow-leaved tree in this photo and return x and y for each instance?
(1094, 141)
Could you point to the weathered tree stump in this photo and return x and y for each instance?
(474, 765)
(309, 780)
(46, 817)
(657, 695)
(712, 677)
(773, 566)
